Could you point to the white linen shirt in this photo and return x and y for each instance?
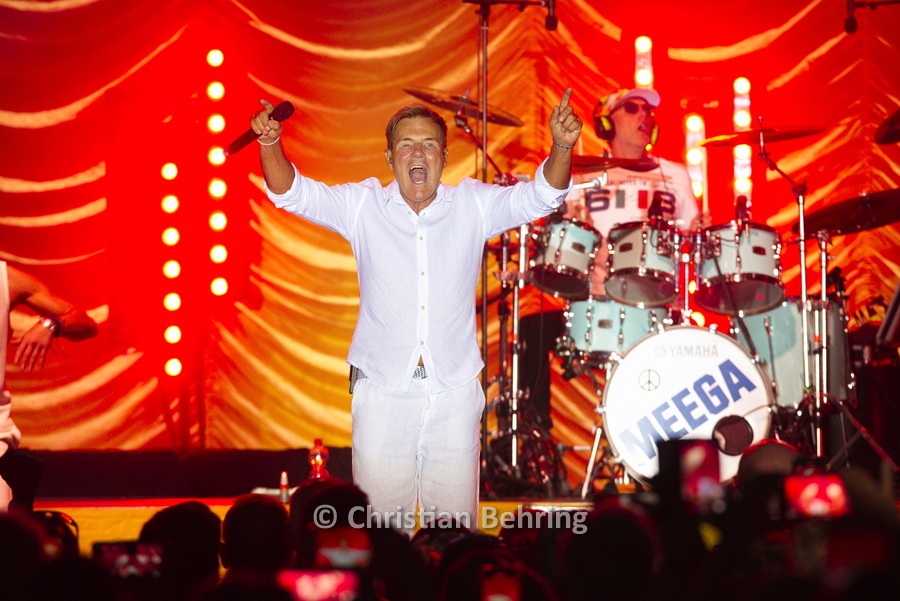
(418, 274)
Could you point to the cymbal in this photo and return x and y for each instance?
(889, 131)
(865, 212)
(588, 164)
(469, 107)
(769, 134)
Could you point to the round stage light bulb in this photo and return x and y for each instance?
(742, 118)
(218, 253)
(743, 185)
(173, 367)
(215, 123)
(215, 58)
(169, 171)
(172, 301)
(643, 44)
(219, 286)
(694, 156)
(216, 155)
(172, 269)
(170, 236)
(693, 123)
(217, 187)
(742, 152)
(697, 187)
(643, 77)
(215, 90)
(172, 334)
(741, 85)
(217, 221)
(169, 203)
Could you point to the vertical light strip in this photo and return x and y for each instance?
(742, 183)
(643, 62)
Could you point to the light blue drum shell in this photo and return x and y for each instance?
(564, 260)
(781, 349)
(600, 326)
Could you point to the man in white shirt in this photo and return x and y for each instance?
(414, 356)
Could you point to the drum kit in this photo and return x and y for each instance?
(781, 364)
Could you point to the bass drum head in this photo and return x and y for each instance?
(685, 382)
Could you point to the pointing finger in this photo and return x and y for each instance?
(564, 101)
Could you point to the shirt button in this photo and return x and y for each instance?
(421, 237)
(421, 342)
(423, 273)
(423, 307)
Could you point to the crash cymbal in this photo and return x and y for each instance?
(853, 215)
(769, 134)
(457, 102)
(589, 164)
(889, 131)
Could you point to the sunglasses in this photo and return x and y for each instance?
(632, 108)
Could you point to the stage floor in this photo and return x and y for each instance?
(104, 520)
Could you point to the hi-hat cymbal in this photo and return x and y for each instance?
(889, 131)
(589, 164)
(853, 215)
(469, 107)
(769, 134)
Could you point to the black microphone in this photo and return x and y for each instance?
(551, 21)
(850, 21)
(281, 112)
(742, 210)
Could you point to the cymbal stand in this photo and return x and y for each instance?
(799, 191)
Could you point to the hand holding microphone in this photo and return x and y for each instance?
(261, 126)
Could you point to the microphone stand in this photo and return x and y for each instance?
(484, 12)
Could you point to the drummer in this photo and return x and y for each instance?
(627, 121)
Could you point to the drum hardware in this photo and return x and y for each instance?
(858, 214)
(465, 106)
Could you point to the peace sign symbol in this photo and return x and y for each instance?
(648, 380)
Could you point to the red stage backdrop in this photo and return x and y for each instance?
(97, 95)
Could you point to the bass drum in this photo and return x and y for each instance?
(685, 382)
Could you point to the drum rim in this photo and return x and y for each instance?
(613, 365)
(574, 220)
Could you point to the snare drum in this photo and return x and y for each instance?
(598, 327)
(642, 264)
(778, 338)
(739, 269)
(684, 382)
(564, 258)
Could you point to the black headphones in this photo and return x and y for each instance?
(606, 129)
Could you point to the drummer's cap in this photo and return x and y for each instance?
(613, 101)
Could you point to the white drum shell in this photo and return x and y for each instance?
(656, 391)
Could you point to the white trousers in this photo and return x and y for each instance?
(411, 446)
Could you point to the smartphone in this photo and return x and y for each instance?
(129, 559)
(499, 584)
(813, 494)
(690, 468)
(321, 585)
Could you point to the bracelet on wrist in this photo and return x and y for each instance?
(555, 143)
(270, 143)
(52, 323)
